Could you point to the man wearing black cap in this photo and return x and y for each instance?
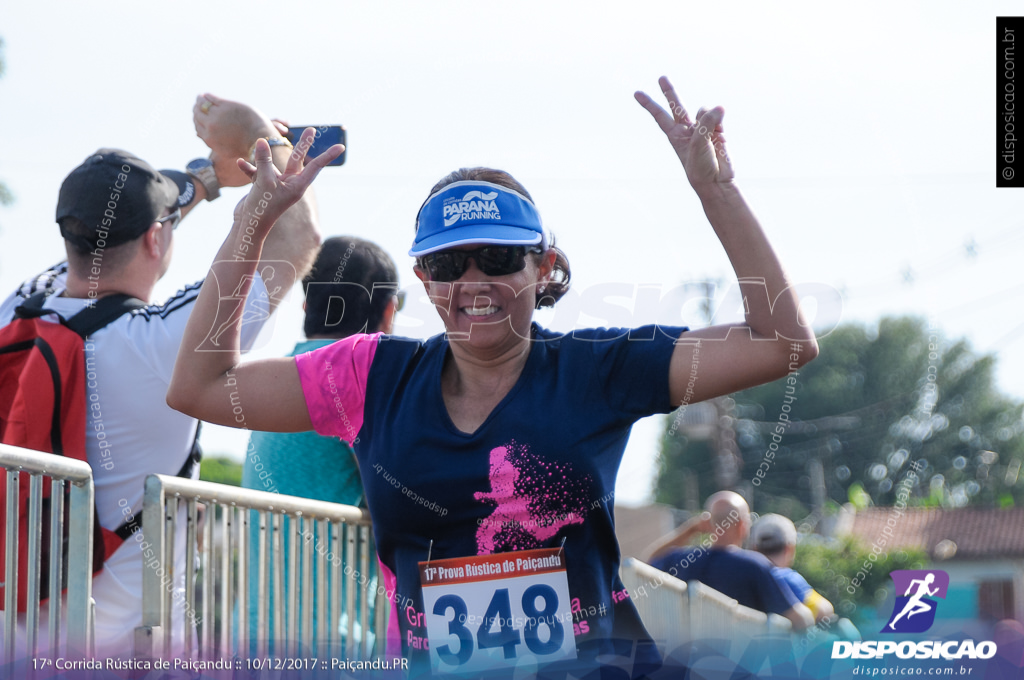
(117, 216)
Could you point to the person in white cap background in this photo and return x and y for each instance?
(774, 536)
(499, 435)
(118, 217)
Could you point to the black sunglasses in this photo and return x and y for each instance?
(449, 265)
(174, 218)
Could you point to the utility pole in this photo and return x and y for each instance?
(728, 462)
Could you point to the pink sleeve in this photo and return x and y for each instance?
(334, 383)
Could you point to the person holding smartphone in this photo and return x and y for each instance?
(498, 436)
(118, 216)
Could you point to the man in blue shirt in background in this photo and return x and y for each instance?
(721, 563)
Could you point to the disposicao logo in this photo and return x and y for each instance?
(925, 649)
(914, 610)
(475, 205)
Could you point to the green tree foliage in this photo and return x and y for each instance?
(221, 471)
(830, 565)
(872, 403)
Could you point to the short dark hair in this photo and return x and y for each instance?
(342, 262)
(111, 259)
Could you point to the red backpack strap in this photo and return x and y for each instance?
(31, 334)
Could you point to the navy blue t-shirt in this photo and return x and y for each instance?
(743, 575)
(539, 471)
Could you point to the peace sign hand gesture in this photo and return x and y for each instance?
(699, 144)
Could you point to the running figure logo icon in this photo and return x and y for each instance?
(913, 611)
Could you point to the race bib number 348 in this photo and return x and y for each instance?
(490, 611)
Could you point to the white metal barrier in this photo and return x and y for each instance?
(661, 600)
(676, 612)
(71, 571)
(316, 568)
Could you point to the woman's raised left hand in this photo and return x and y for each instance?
(699, 144)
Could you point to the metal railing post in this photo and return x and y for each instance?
(228, 528)
(80, 537)
(35, 536)
(11, 568)
(262, 590)
(350, 605)
(295, 539)
(277, 566)
(191, 525)
(307, 591)
(167, 567)
(245, 644)
(321, 588)
(56, 557)
(149, 637)
(209, 564)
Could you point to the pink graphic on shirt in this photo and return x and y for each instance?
(534, 500)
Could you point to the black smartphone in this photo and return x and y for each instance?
(326, 137)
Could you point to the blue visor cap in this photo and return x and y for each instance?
(476, 212)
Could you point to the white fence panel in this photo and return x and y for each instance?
(711, 613)
(676, 612)
(661, 600)
(314, 580)
(71, 570)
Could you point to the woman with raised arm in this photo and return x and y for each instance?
(499, 436)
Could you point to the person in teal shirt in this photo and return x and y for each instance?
(352, 288)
